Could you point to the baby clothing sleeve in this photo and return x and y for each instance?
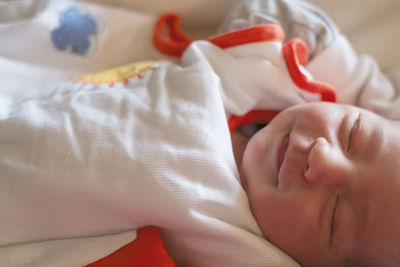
(357, 78)
(298, 19)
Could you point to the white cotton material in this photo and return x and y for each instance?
(63, 252)
(28, 35)
(250, 80)
(83, 161)
(357, 79)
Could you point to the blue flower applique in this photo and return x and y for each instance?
(74, 31)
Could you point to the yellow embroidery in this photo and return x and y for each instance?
(120, 74)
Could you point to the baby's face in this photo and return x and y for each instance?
(323, 181)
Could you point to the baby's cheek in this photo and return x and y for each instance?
(286, 223)
(270, 214)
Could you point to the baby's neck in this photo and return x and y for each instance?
(239, 142)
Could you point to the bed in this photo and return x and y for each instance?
(33, 55)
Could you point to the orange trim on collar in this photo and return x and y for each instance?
(146, 250)
(171, 40)
(252, 117)
(258, 33)
(168, 36)
(295, 54)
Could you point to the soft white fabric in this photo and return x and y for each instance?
(358, 79)
(55, 252)
(84, 161)
(114, 43)
(296, 17)
(253, 76)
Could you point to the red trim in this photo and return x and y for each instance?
(146, 250)
(253, 116)
(295, 54)
(258, 33)
(168, 37)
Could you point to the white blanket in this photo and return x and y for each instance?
(84, 164)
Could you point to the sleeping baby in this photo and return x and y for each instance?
(86, 163)
(331, 172)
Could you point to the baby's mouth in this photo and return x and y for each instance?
(281, 152)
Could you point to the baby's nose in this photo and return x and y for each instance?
(322, 162)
